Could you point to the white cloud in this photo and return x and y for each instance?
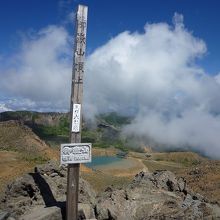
(41, 74)
(155, 76)
(4, 108)
(149, 69)
(71, 17)
(152, 75)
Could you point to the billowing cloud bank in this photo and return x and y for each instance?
(154, 76)
(38, 76)
(151, 75)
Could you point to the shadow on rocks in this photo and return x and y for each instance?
(47, 194)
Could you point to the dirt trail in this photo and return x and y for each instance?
(145, 169)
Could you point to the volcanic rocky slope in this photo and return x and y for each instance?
(14, 135)
(160, 195)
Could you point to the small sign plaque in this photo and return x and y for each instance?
(76, 118)
(75, 153)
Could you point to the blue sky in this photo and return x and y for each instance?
(108, 18)
(156, 59)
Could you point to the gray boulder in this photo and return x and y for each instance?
(158, 195)
(4, 215)
(41, 195)
(44, 189)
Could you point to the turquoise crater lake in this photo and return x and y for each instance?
(103, 160)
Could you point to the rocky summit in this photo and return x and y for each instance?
(41, 195)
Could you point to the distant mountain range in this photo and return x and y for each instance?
(53, 128)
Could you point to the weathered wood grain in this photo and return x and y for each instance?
(76, 98)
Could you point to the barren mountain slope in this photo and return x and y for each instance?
(20, 150)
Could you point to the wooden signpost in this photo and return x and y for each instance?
(75, 153)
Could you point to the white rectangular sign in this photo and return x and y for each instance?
(76, 118)
(75, 153)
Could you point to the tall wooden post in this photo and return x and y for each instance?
(75, 108)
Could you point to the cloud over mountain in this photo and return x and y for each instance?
(152, 75)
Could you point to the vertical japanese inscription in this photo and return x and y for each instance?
(76, 109)
(76, 118)
(78, 69)
(80, 47)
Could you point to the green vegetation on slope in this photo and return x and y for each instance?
(104, 138)
(184, 158)
(47, 131)
(114, 119)
(19, 115)
(54, 128)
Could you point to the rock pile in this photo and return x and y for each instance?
(41, 195)
(158, 195)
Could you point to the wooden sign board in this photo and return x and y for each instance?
(75, 153)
